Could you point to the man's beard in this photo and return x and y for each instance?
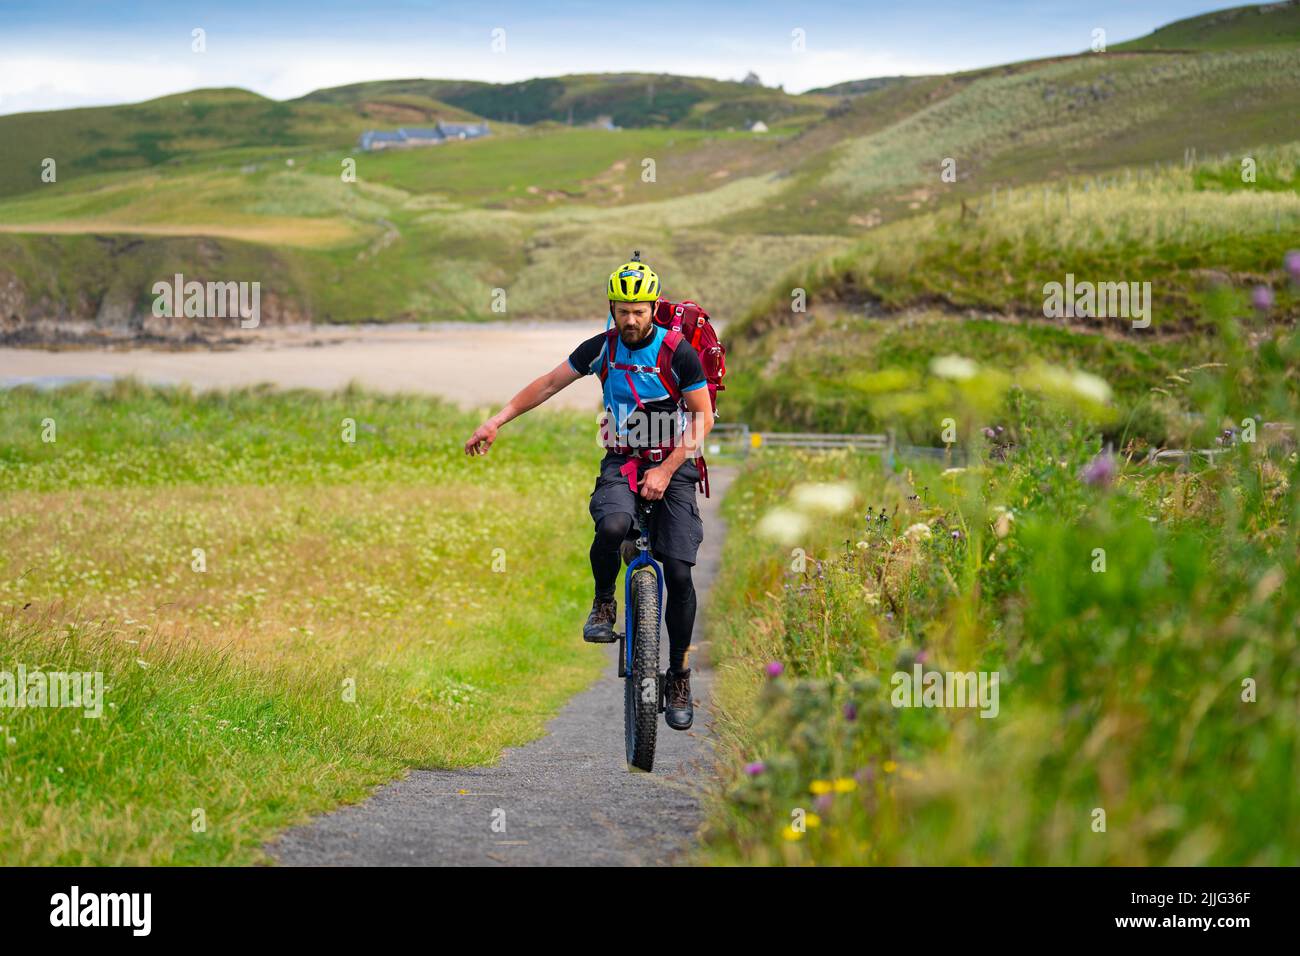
(633, 342)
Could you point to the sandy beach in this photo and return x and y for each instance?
(474, 365)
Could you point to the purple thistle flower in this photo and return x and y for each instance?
(775, 668)
(1293, 264)
(850, 711)
(922, 656)
(755, 768)
(1101, 471)
(1262, 298)
(822, 803)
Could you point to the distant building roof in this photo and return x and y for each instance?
(468, 129)
(372, 138)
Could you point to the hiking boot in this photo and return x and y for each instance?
(679, 712)
(599, 628)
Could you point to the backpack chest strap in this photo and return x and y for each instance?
(649, 369)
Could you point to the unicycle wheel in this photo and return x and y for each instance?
(641, 685)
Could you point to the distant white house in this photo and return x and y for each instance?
(758, 127)
(408, 137)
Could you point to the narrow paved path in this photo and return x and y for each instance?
(566, 799)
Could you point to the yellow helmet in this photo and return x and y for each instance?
(633, 282)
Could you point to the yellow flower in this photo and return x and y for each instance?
(889, 766)
(790, 833)
(820, 786)
(845, 785)
(812, 820)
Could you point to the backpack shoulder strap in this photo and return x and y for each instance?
(664, 363)
(608, 356)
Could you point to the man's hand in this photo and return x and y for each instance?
(530, 396)
(654, 483)
(481, 440)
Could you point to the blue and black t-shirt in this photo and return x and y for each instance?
(619, 400)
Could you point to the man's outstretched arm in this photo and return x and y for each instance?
(529, 397)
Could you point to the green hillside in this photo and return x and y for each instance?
(632, 100)
(843, 194)
(201, 123)
(1258, 25)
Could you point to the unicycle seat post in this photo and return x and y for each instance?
(644, 509)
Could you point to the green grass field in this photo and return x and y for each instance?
(359, 608)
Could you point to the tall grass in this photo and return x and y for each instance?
(1147, 701)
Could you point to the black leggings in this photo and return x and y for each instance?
(679, 610)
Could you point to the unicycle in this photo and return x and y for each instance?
(638, 649)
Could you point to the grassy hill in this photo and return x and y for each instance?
(632, 100)
(1257, 25)
(851, 173)
(187, 126)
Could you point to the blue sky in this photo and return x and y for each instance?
(55, 55)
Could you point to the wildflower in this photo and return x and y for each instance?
(850, 711)
(791, 834)
(1090, 386)
(889, 766)
(1293, 264)
(824, 803)
(775, 668)
(1262, 298)
(812, 820)
(956, 535)
(754, 768)
(956, 471)
(918, 532)
(820, 787)
(1101, 470)
(922, 656)
(783, 525)
(954, 367)
(845, 785)
(828, 497)
(872, 598)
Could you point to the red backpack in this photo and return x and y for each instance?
(690, 319)
(686, 322)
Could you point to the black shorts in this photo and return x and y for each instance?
(675, 526)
